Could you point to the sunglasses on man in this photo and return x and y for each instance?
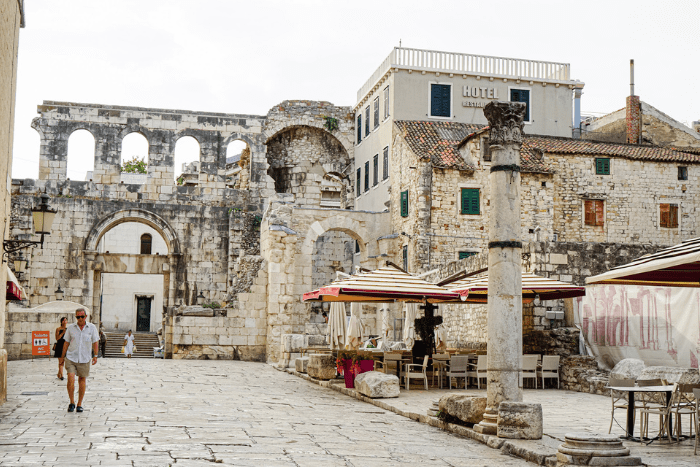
(80, 316)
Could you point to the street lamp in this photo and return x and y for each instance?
(43, 217)
(59, 293)
(20, 263)
(200, 298)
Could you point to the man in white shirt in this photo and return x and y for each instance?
(82, 339)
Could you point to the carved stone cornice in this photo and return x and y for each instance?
(505, 121)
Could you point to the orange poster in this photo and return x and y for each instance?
(40, 343)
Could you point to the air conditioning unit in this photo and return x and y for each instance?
(554, 315)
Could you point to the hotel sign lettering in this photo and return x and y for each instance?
(479, 93)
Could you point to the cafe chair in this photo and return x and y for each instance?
(663, 411)
(619, 398)
(411, 371)
(549, 369)
(684, 404)
(458, 368)
(529, 369)
(440, 362)
(481, 372)
(696, 393)
(391, 360)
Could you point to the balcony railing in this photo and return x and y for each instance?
(458, 63)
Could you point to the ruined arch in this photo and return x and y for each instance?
(81, 152)
(133, 215)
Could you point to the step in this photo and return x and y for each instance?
(144, 342)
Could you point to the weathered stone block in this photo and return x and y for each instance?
(519, 420)
(628, 368)
(377, 385)
(594, 449)
(321, 366)
(671, 374)
(301, 364)
(469, 409)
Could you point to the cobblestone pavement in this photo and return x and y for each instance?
(144, 412)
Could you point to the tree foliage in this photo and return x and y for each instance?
(136, 165)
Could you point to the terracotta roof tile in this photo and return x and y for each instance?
(438, 141)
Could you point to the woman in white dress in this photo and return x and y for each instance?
(129, 344)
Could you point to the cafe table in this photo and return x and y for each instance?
(631, 390)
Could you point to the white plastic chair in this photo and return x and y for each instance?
(458, 368)
(410, 372)
(550, 368)
(481, 369)
(529, 369)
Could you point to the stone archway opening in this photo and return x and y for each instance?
(134, 157)
(80, 158)
(187, 161)
(299, 158)
(238, 164)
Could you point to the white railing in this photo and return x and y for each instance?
(449, 62)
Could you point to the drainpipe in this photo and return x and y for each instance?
(578, 90)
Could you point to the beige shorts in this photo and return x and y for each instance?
(80, 369)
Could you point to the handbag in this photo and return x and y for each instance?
(54, 347)
(122, 349)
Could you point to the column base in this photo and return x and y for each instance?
(489, 425)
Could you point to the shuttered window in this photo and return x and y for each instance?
(358, 180)
(470, 201)
(594, 212)
(359, 129)
(440, 100)
(376, 112)
(602, 166)
(466, 254)
(367, 176)
(522, 95)
(385, 175)
(682, 173)
(375, 179)
(404, 254)
(669, 216)
(404, 203)
(367, 121)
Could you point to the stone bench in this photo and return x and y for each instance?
(301, 364)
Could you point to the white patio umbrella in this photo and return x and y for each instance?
(440, 333)
(355, 333)
(336, 325)
(386, 322)
(409, 327)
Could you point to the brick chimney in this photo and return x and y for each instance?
(633, 119)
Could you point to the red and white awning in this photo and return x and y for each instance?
(475, 288)
(13, 290)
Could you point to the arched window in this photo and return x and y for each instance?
(81, 155)
(186, 160)
(134, 149)
(146, 241)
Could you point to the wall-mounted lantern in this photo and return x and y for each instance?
(59, 293)
(20, 263)
(43, 217)
(200, 298)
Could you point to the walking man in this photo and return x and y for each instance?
(103, 342)
(81, 339)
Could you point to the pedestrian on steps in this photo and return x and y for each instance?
(129, 344)
(103, 342)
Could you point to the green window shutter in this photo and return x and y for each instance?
(466, 254)
(602, 166)
(440, 100)
(404, 203)
(470, 201)
(359, 129)
(522, 95)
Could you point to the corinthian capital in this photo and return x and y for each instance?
(505, 121)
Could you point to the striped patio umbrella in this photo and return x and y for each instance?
(474, 289)
(387, 284)
(676, 266)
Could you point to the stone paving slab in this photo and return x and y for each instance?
(563, 412)
(202, 413)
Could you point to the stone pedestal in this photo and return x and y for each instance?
(301, 364)
(321, 366)
(375, 384)
(519, 420)
(489, 425)
(594, 449)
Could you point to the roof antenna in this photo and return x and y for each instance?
(631, 77)
(399, 43)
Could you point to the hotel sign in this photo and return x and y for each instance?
(478, 93)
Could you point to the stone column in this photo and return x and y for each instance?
(504, 310)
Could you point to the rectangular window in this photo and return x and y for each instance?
(376, 112)
(440, 100)
(386, 102)
(367, 121)
(682, 173)
(485, 149)
(595, 212)
(359, 180)
(359, 129)
(404, 203)
(404, 254)
(669, 216)
(357, 246)
(522, 95)
(602, 166)
(385, 175)
(375, 180)
(366, 176)
(466, 254)
(470, 201)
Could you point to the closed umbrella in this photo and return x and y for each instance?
(355, 334)
(336, 325)
(409, 329)
(440, 343)
(386, 322)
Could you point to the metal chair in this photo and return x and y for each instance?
(458, 368)
(391, 359)
(440, 362)
(409, 372)
(549, 369)
(481, 370)
(663, 411)
(619, 398)
(684, 404)
(529, 368)
(696, 393)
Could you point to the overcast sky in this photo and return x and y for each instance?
(247, 56)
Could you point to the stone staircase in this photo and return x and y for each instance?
(144, 342)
